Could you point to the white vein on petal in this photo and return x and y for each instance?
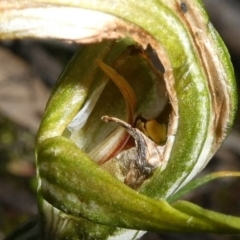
(80, 119)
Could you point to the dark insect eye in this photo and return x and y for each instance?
(184, 7)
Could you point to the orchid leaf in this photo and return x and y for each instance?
(194, 184)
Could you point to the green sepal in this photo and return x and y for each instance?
(73, 183)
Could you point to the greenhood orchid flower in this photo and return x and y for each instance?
(112, 155)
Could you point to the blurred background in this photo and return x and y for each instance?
(28, 71)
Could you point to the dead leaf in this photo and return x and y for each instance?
(22, 96)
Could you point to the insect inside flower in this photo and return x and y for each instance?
(134, 146)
